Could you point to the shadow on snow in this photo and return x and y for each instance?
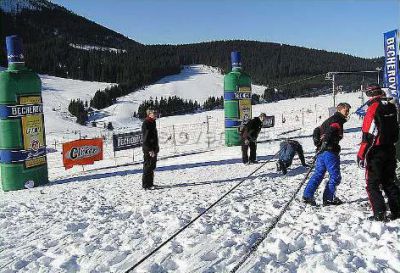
(159, 169)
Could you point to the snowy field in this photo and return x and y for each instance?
(100, 220)
(197, 82)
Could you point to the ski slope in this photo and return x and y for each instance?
(100, 220)
(197, 82)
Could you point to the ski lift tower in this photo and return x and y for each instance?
(378, 69)
(330, 76)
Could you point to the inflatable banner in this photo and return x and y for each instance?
(237, 100)
(23, 162)
(82, 152)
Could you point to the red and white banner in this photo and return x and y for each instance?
(82, 152)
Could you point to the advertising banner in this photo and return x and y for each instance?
(30, 110)
(391, 77)
(33, 131)
(244, 97)
(82, 152)
(127, 141)
(269, 122)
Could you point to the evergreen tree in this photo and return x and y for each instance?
(168, 107)
(255, 99)
(213, 103)
(77, 109)
(110, 126)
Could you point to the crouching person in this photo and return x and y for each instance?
(287, 151)
(328, 158)
(249, 135)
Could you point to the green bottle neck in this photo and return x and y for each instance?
(237, 69)
(16, 66)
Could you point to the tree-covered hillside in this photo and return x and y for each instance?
(61, 43)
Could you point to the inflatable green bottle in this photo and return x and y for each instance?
(237, 100)
(23, 161)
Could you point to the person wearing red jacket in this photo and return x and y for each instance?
(377, 154)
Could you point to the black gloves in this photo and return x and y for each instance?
(360, 163)
(323, 146)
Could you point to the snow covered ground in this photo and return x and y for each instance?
(100, 220)
(57, 93)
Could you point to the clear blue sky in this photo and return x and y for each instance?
(349, 26)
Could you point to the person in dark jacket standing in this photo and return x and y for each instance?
(150, 148)
(378, 154)
(249, 135)
(327, 158)
(288, 149)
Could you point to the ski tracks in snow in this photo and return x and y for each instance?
(309, 239)
(106, 225)
(95, 225)
(219, 239)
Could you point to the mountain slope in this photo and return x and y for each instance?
(67, 45)
(54, 38)
(16, 6)
(194, 82)
(49, 20)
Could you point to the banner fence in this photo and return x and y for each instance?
(174, 140)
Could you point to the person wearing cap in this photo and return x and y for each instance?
(150, 148)
(377, 154)
(327, 158)
(287, 151)
(249, 135)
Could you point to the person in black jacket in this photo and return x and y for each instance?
(150, 148)
(288, 149)
(249, 135)
(328, 159)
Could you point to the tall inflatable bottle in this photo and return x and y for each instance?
(23, 161)
(237, 100)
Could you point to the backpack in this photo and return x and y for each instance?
(386, 121)
(316, 136)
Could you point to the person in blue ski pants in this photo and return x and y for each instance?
(328, 158)
(326, 161)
